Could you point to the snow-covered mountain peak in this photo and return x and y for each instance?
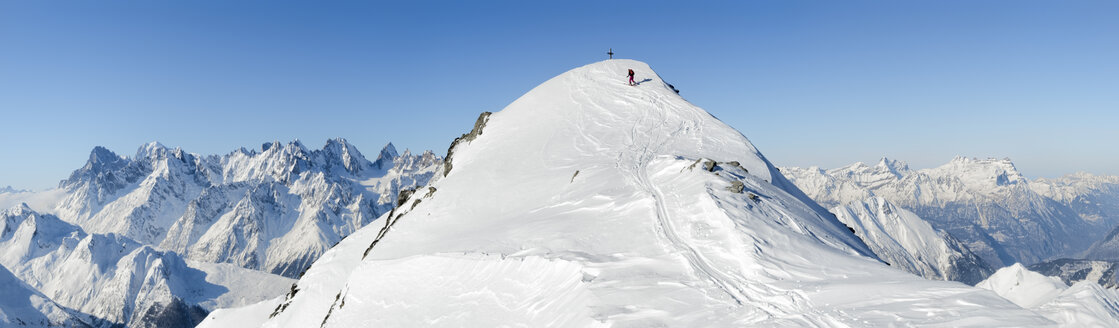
(895, 166)
(101, 157)
(594, 100)
(19, 210)
(385, 158)
(10, 189)
(883, 172)
(269, 145)
(152, 150)
(981, 173)
(1022, 286)
(340, 154)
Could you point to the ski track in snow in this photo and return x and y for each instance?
(637, 170)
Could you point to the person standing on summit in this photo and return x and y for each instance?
(631, 77)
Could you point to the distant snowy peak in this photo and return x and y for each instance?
(102, 159)
(26, 234)
(9, 189)
(980, 173)
(1069, 187)
(1094, 197)
(885, 171)
(285, 162)
(144, 195)
(339, 154)
(386, 157)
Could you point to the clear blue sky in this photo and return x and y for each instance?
(809, 82)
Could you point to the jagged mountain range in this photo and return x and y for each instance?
(275, 209)
(985, 203)
(162, 238)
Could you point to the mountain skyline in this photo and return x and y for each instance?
(595, 187)
(1032, 81)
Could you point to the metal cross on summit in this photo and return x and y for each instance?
(611, 53)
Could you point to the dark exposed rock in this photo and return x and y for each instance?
(176, 314)
(736, 187)
(477, 131)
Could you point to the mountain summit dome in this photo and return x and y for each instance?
(588, 202)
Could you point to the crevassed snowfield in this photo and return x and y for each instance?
(586, 203)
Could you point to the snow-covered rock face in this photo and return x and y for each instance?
(275, 210)
(907, 242)
(587, 202)
(115, 279)
(985, 203)
(1085, 304)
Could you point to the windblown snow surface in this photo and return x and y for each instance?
(1085, 304)
(586, 203)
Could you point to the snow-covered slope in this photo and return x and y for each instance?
(587, 202)
(1085, 304)
(275, 210)
(907, 242)
(118, 280)
(22, 305)
(985, 203)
